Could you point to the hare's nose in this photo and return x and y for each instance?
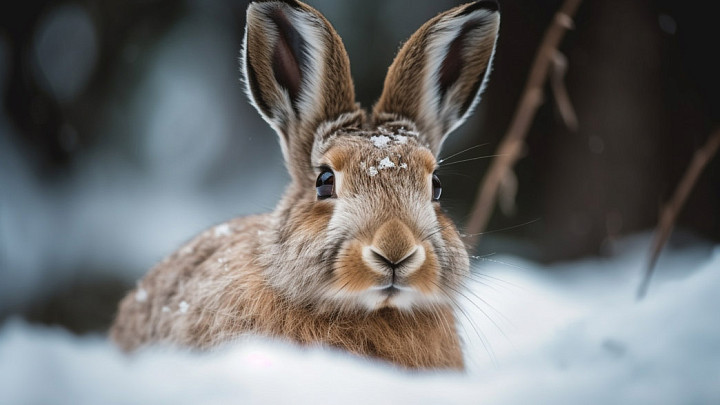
(394, 241)
(394, 248)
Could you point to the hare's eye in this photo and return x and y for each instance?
(325, 184)
(437, 187)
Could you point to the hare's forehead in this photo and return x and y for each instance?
(374, 154)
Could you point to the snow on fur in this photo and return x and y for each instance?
(385, 163)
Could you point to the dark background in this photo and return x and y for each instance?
(124, 131)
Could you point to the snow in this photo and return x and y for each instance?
(385, 163)
(386, 137)
(222, 230)
(567, 333)
(380, 141)
(141, 295)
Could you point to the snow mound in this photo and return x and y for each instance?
(572, 335)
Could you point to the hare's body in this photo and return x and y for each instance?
(365, 260)
(213, 290)
(183, 307)
(223, 301)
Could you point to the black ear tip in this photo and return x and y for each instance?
(489, 5)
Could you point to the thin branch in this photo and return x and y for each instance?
(560, 93)
(670, 211)
(507, 193)
(511, 147)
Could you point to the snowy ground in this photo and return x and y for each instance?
(573, 335)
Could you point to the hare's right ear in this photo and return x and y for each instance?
(438, 75)
(297, 73)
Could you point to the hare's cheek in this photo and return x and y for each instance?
(351, 275)
(426, 278)
(314, 220)
(449, 233)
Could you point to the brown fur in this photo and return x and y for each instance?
(228, 299)
(315, 271)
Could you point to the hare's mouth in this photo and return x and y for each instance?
(391, 289)
(395, 295)
(398, 296)
(389, 292)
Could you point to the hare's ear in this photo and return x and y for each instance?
(438, 75)
(296, 71)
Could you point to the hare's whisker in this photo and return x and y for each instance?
(469, 160)
(467, 235)
(445, 159)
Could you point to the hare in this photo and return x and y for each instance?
(358, 254)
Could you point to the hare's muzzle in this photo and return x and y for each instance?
(394, 254)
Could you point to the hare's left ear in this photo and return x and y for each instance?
(297, 74)
(438, 75)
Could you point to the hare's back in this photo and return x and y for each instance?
(179, 300)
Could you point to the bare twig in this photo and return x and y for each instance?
(560, 93)
(511, 147)
(670, 211)
(507, 193)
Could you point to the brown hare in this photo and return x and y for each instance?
(358, 254)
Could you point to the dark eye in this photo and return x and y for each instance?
(325, 184)
(437, 187)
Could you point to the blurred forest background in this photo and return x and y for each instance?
(124, 131)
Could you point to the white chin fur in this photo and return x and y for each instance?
(404, 298)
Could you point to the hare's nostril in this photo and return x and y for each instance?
(384, 265)
(382, 258)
